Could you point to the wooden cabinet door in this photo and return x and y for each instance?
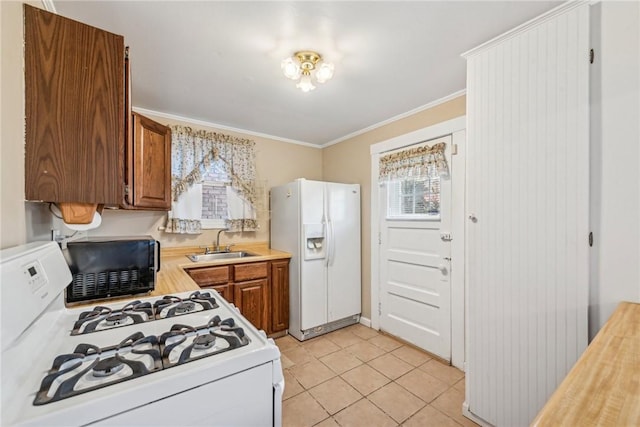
(279, 296)
(252, 299)
(151, 165)
(226, 291)
(74, 110)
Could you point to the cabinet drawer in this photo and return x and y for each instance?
(210, 275)
(256, 270)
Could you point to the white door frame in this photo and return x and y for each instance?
(455, 127)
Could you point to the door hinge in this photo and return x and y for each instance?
(379, 238)
(454, 149)
(379, 309)
(592, 56)
(591, 239)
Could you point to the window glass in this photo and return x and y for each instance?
(414, 197)
(214, 196)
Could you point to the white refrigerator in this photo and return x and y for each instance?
(319, 224)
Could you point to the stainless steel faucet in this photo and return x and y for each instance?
(217, 246)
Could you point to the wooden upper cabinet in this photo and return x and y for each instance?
(149, 165)
(75, 111)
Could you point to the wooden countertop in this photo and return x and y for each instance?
(603, 388)
(172, 278)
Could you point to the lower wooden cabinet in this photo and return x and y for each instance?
(279, 296)
(226, 291)
(251, 298)
(259, 289)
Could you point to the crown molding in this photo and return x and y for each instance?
(559, 10)
(306, 144)
(222, 127)
(398, 117)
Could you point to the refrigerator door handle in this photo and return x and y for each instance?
(332, 244)
(327, 243)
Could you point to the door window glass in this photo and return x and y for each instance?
(414, 198)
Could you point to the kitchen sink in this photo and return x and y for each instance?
(219, 255)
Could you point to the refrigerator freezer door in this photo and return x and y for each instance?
(313, 272)
(343, 239)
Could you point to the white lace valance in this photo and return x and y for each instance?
(193, 151)
(414, 162)
(192, 154)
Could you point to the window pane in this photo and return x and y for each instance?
(214, 201)
(214, 192)
(413, 198)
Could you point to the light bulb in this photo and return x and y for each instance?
(290, 69)
(325, 72)
(305, 84)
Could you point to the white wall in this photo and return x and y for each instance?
(615, 159)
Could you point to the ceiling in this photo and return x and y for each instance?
(219, 61)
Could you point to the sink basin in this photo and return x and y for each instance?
(218, 255)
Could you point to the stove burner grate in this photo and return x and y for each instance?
(203, 338)
(108, 367)
(102, 318)
(138, 354)
(69, 369)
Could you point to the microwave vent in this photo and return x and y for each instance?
(104, 284)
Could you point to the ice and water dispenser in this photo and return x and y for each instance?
(314, 239)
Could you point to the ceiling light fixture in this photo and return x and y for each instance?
(302, 64)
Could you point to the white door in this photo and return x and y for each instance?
(528, 214)
(343, 254)
(415, 250)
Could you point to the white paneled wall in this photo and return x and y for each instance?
(528, 188)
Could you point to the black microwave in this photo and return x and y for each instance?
(109, 267)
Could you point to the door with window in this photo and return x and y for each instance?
(415, 250)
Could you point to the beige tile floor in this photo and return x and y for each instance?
(357, 376)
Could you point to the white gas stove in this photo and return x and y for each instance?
(185, 359)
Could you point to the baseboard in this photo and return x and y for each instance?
(366, 322)
(472, 417)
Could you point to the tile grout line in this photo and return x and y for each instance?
(366, 363)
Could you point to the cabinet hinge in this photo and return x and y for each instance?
(592, 56)
(126, 190)
(126, 52)
(454, 149)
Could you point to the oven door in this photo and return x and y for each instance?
(242, 399)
